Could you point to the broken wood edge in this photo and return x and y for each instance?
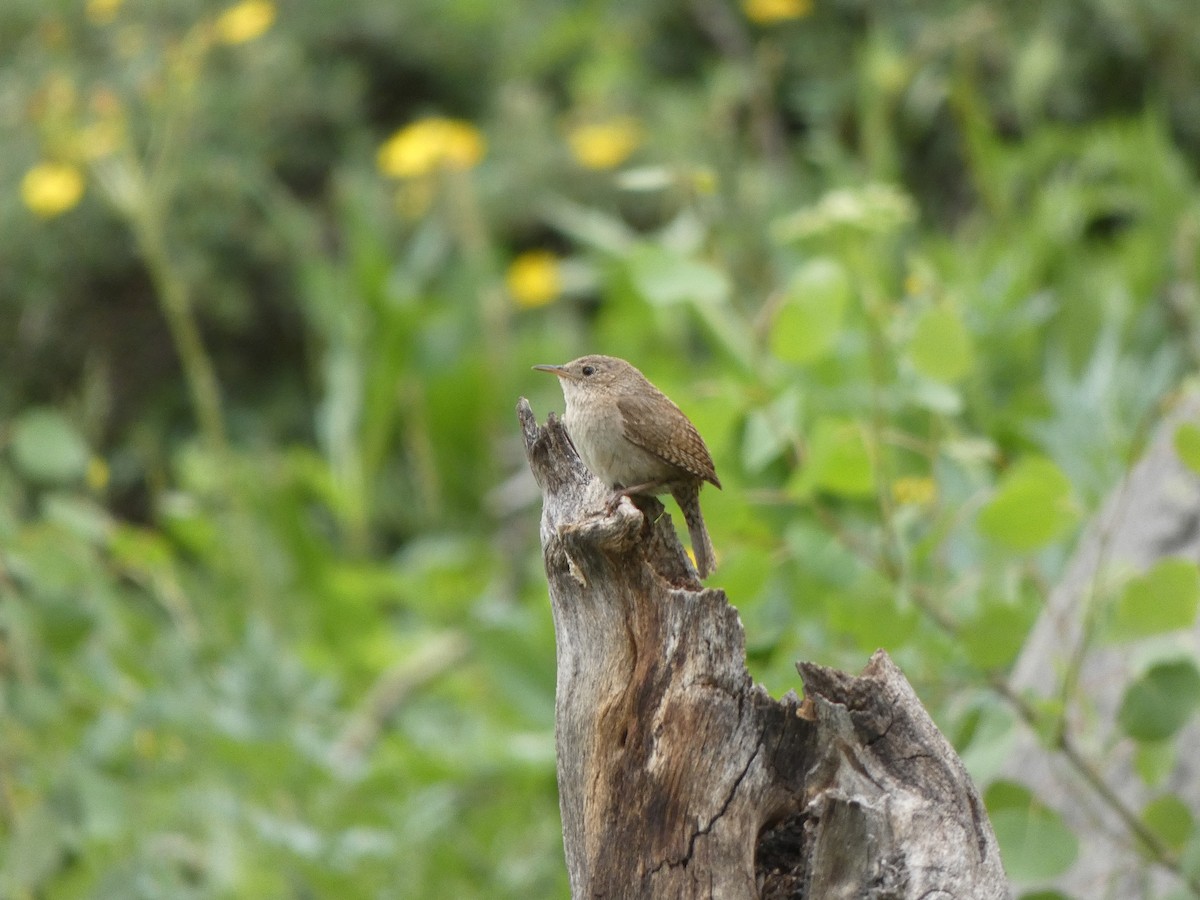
(679, 776)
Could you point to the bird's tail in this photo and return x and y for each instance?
(688, 498)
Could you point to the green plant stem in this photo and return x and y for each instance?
(1091, 611)
(875, 307)
(472, 233)
(1159, 851)
(176, 305)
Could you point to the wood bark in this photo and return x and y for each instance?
(680, 777)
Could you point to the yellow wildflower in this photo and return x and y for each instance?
(101, 12)
(97, 474)
(430, 144)
(914, 490)
(605, 145)
(534, 279)
(768, 12)
(245, 21)
(704, 180)
(50, 189)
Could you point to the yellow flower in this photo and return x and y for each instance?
(605, 145)
(50, 189)
(914, 490)
(768, 12)
(101, 12)
(534, 279)
(97, 474)
(430, 144)
(704, 180)
(245, 21)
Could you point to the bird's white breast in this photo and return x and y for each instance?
(598, 433)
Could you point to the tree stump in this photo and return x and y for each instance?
(679, 777)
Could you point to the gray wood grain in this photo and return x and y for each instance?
(680, 778)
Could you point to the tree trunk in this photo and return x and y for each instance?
(680, 777)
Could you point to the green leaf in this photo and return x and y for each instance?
(936, 396)
(808, 323)
(1164, 599)
(78, 515)
(1034, 841)
(1154, 761)
(771, 432)
(825, 559)
(34, 852)
(1187, 445)
(663, 277)
(990, 743)
(1169, 818)
(47, 448)
(1031, 508)
(995, 637)
(941, 347)
(872, 619)
(838, 460)
(1157, 704)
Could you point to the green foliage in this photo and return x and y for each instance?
(1187, 445)
(809, 322)
(941, 347)
(1170, 819)
(46, 448)
(1158, 703)
(1164, 599)
(839, 460)
(1032, 506)
(1034, 840)
(272, 615)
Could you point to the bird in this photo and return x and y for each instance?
(632, 437)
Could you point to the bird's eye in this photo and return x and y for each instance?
(589, 370)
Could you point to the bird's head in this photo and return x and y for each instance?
(589, 375)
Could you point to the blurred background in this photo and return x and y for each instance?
(273, 621)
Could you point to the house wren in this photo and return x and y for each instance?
(633, 438)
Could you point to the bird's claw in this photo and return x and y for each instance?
(613, 501)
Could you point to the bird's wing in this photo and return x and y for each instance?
(656, 424)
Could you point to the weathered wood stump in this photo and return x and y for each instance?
(680, 777)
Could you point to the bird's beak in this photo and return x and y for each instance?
(560, 371)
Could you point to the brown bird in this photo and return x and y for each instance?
(634, 439)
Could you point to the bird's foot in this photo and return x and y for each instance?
(613, 501)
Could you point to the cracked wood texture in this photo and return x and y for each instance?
(679, 777)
